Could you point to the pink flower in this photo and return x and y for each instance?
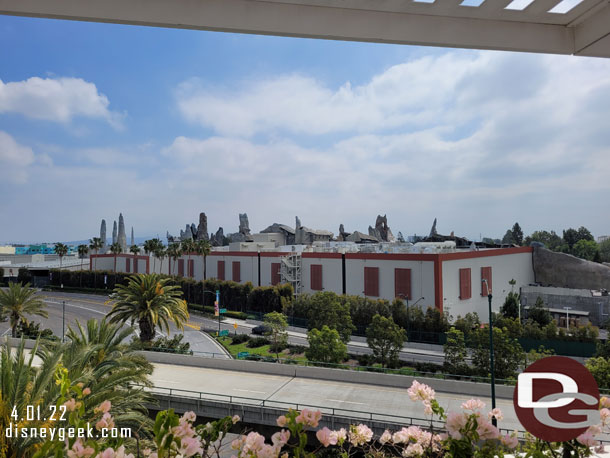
(188, 416)
(604, 402)
(587, 439)
(190, 446)
(605, 416)
(103, 407)
(414, 450)
(496, 413)
(309, 417)
(86, 391)
(385, 437)
(339, 436)
(78, 450)
(105, 422)
(325, 437)
(455, 422)
(253, 443)
(473, 404)
(235, 419)
(428, 408)
(184, 429)
(237, 444)
(420, 391)
(487, 431)
(510, 441)
(71, 405)
(360, 435)
(280, 438)
(281, 421)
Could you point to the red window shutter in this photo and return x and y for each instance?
(191, 268)
(236, 271)
(486, 274)
(221, 270)
(275, 273)
(465, 287)
(371, 281)
(402, 283)
(316, 277)
(135, 266)
(127, 265)
(181, 267)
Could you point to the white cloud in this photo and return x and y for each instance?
(14, 159)
(56, 99)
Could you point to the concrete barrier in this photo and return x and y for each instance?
(336, 375)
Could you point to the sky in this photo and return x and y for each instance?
(162, 124)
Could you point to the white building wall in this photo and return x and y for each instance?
(248, 266)
(266, 260)
(331, 273)
(518, 266)
(422, 276)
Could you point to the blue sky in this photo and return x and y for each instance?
(160, 124)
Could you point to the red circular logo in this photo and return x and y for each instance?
(556, 399)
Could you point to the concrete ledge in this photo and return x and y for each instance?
(336, 375)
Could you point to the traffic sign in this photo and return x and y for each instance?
(235, 325)
(224, 332)
(242, 354)
(223, 310)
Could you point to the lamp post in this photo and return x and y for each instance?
(216, 305)
(63, 320)
(494, 421)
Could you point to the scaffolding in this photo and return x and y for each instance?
(290, 272)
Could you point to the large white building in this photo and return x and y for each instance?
(451, 282)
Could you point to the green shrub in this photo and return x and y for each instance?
(256, 342)
(239, 339)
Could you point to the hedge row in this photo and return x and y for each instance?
(233, 296)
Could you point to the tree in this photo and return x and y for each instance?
(325, 346)
(508, 238)
(600, 369)
(148, 300)
(161, 253)
(152, 246)
(550, 239)
(585, 249)
(203, 248)
(539, 313)
(82, 252)
(60, 250)
(573, 236)
(135, 250)
(115, 249)
(386, 339)
(174, 251)
(467, 324)
(277, 334)
(534, 355)
(508, 354)
(95, 244)
(17, 301)
(325, 309)
(188, 246)
(455, 352)
(604, 250)
(510, 309)
(517, 234)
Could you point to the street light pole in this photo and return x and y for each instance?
(63, 320)
(494, 421)
(567, 309)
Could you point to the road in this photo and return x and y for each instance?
(83, 307)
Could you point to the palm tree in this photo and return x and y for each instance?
(160, 252)
(152, 245)
(82, 252)
(96, 245)
(18, 301)
(24, 383)
(203, 248)
(149, 301)
(135, 250)
(115, 249)
(188, 246)
(174, 251)
(60, 250)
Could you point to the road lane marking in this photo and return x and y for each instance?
(346, 402)
(198, 328)
(77, 299)
(77, 306)
(249, 391)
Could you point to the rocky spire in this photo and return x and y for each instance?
(202, 229)
(114, 233)
(122, 238)
(433, 230)
(103, 236)
(133, 240)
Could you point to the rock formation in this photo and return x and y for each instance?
(567, 271)
(433, 230)
(122, 238)
(342, 237)
(400, 238)
(244, 230)
(281, 229)
(306, 236)
(381, 232)
(218, 238)
(359, 237)
(133, 240)
(202, 229)
(114, 233)
(103, 237)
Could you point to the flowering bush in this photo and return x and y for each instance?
(468, 433)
